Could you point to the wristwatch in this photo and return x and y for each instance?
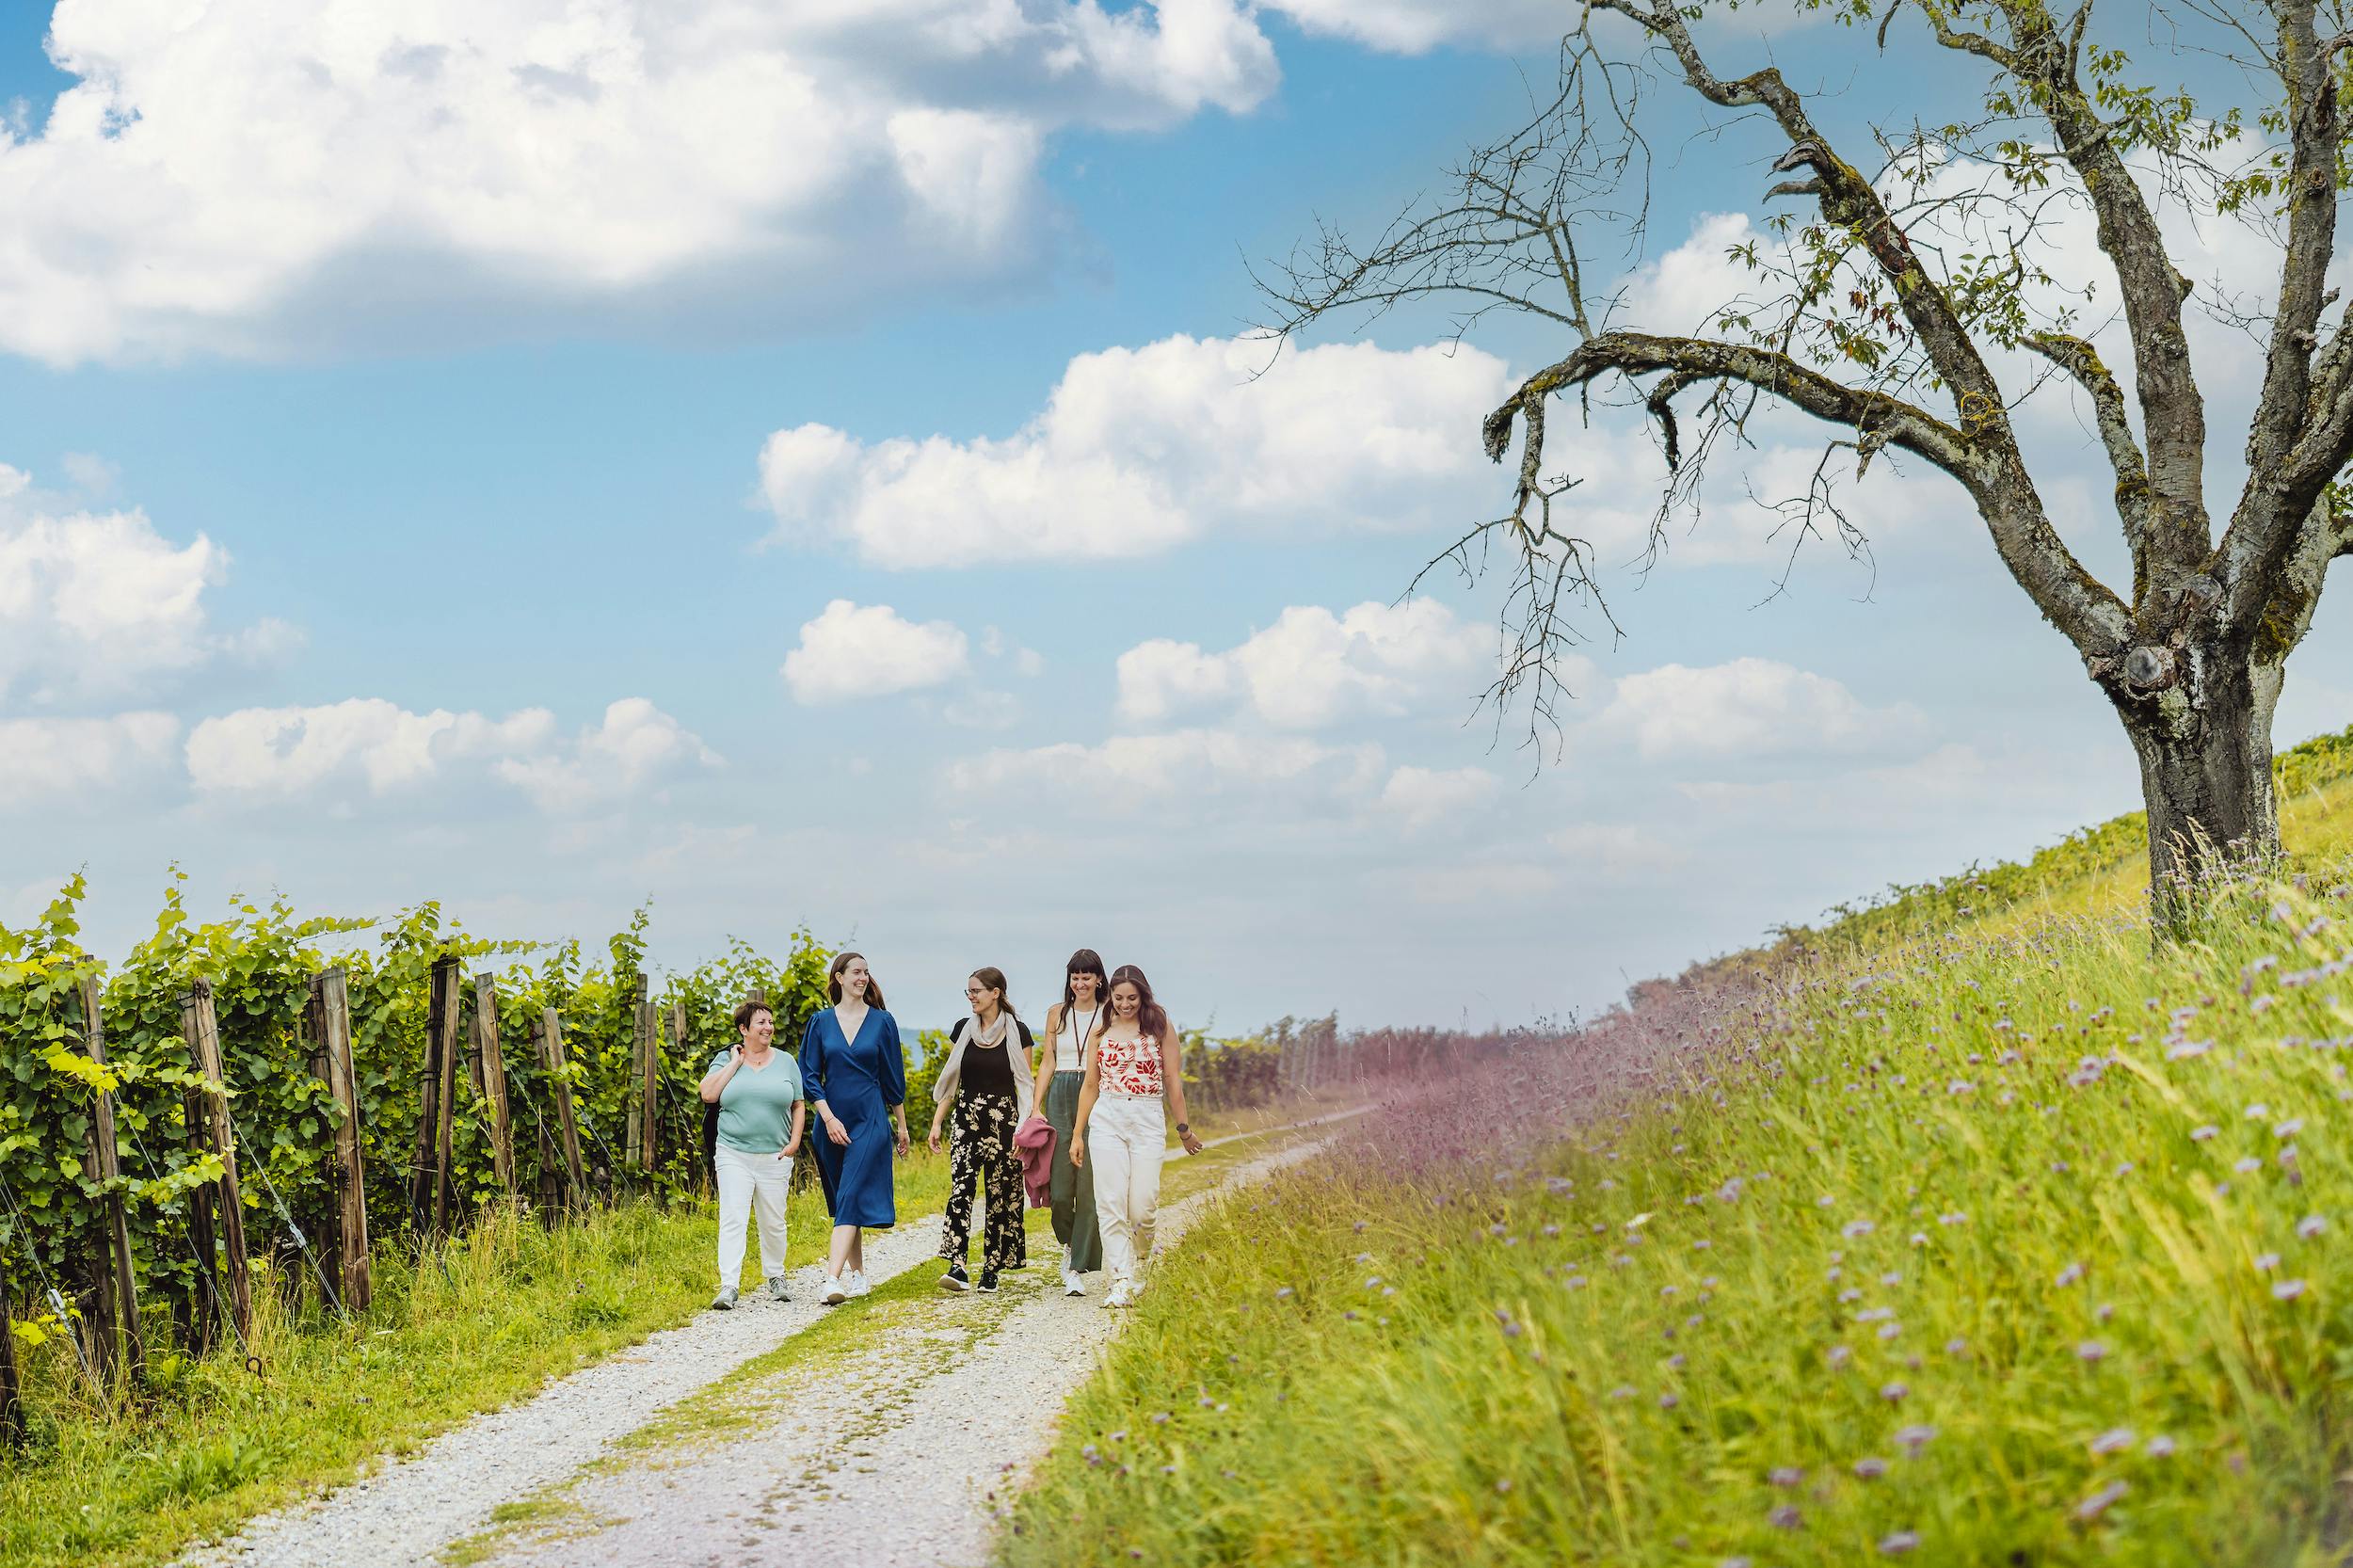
(1183, 1127)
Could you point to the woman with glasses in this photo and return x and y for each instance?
(1062, 1067)
(856, 1073)
(987, 1079)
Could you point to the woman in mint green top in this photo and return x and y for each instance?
(758, 1091)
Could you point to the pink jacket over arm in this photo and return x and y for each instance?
(1034, 1140)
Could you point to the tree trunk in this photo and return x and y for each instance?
(2205, 775)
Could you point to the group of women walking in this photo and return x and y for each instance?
(1112, 1072)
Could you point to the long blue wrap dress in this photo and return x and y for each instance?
(859, 1081)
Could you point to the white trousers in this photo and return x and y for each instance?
(1127, 1138)
(748, 1182)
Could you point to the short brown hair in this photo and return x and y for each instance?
(748, 1011)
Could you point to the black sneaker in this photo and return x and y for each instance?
(988, 1281)
(956, 1279)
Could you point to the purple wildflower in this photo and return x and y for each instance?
(2100, 1501)
(2112, 1440)
(1870, 1469)
(1898, 1544)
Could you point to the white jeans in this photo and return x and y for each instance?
(749, 1181)
(1126, 1137)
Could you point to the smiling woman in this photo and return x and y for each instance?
(758, 1091)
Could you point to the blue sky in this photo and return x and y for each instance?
(353, 419)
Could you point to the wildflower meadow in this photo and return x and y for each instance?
(2014, 1246)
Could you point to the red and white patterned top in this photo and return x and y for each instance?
(1128, 1067)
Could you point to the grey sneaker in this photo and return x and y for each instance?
(724, 1301)
(777, 1290)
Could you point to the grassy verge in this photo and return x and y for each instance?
(2021, 1250)
(467, 1329)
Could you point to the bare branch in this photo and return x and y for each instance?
(2291, 457)
(2068, 596)
(2172, 409)
(2079, 359)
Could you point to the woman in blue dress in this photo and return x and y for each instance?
(857, 1075)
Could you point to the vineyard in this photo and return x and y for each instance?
(278, 1100)
(243, 1089)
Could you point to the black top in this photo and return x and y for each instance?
(988, 1069)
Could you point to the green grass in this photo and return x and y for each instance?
(2078, 1332)
(469, 1329)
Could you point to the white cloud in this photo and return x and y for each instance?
(1416, 27)
(1748, 707)
(1426, 797)
(1140, 449)
(1312, 668)
(1164, 677)
(258, 179)
(1128, 773)
(636, 745)
(852, 651)
(49, 760)
(99, 604)
(370, 744)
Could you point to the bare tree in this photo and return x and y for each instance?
(1883, 309)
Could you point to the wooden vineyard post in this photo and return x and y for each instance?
(677, 1044)
(203, 1030)
(421, 1163)
(11, 1391)
(551, 1058)
(329, 1020)
(132, 1345)
(445, 998)
(485, 1036)
(640, 1146)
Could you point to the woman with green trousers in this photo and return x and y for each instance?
(1069, 1023)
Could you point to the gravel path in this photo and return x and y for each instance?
(892, 1456)
(406, 1513)
(888, 1444)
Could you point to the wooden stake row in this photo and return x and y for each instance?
(216, 1214)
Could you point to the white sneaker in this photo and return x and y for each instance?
(857, 1283)
(1071, 1284)
(836, 1293)
(1121, 1294)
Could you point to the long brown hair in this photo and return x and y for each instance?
(1084, 961)
(993, 978)
(1151, 1018)
(833, 979)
